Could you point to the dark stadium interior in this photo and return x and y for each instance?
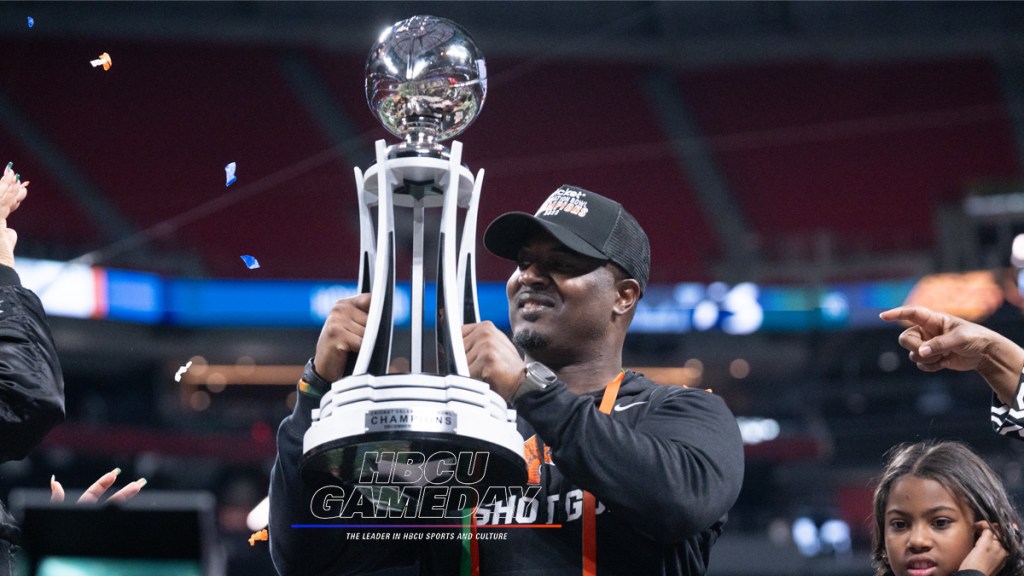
(792, 144)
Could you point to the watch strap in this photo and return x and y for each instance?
(311, 383)
(531, 383)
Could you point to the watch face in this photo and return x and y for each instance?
(541, 373)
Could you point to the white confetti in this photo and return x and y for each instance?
(182, 370)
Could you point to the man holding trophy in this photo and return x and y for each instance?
(622, 476)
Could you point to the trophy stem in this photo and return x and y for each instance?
(416, 332)
(375, 354)
(422, 129)
(467, 256)
(421, 139)
(449, 296)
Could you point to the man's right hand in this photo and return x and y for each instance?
(342, 333)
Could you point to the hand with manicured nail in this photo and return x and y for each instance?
(12, 193)
(99, 488)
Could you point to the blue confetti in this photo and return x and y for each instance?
(250, 262)
(31, 22)
(229, 171)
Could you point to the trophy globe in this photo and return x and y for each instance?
(397, 439)
(426, 81)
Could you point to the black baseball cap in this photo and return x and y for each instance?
(585, 222)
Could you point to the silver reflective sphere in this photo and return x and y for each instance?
(425, 80)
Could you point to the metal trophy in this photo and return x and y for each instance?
(392, 436)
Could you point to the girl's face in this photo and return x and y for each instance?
(928, 531)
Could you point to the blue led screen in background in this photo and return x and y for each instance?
(145, 298)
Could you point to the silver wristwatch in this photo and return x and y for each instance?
(538, 377)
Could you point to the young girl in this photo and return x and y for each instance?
(941, 511)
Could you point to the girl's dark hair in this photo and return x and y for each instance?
(958, 469)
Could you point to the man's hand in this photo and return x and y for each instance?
(342, 333)
(12, 193)
(493, 358)
(937, 340)
(988, 554)
(99, 488)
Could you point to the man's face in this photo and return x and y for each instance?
(559, 300)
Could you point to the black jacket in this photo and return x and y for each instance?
(31, 383)
(665, 468)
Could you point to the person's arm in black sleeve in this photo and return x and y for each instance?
(675, 473)
(31, 382)
(308, 551)
(320, 550)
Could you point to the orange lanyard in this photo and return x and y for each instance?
(589, 502)
(471, 553)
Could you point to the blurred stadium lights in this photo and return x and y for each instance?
(757, 430)
(832, 537)
(994, 205)
(233, 374)
(200, 374)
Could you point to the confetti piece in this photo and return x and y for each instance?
(182, 370)
(103, 60)
(229, 172)
(31, 22)
(250, 262)
(261, 535)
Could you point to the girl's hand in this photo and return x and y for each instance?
(988, 554)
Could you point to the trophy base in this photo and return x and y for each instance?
(414, 441)
(393, 468)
